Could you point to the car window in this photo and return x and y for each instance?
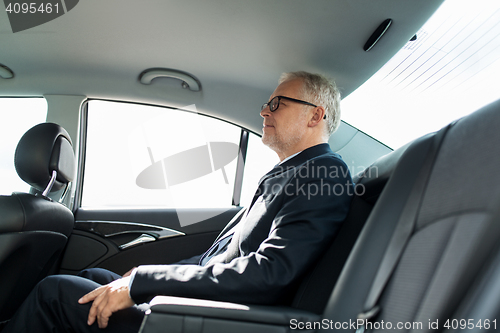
(144, 156)
(260, 159)
(17, 115)
(447, 71)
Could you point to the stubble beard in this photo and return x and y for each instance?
(279, 143)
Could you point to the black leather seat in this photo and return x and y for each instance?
(315, 288)
(34, 229)
(442, 255)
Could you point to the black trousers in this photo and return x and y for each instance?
(53, 306)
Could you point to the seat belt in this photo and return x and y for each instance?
(225, 233)
(402, 232)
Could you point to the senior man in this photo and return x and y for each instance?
(294, 214)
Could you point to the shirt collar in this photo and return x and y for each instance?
(290, 157)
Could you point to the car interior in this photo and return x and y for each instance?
(131, 135)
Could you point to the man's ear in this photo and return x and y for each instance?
(318, 113)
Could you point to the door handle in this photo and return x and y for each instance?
(144, 238)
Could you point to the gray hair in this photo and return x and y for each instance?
(319, 90)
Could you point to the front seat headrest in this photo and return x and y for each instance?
(43, 149)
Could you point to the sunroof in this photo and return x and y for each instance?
(449, 71)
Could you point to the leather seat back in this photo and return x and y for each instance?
(33, 228)
(315, 288)
(432, 273)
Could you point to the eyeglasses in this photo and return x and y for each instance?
(275, 103)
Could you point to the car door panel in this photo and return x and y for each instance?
(119, 239)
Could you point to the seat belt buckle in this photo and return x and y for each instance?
(367, 316)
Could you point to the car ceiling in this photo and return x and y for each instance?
(237, 49)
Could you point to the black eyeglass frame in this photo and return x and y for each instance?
(284, 97)
(288, 98)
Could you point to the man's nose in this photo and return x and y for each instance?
(265, 112)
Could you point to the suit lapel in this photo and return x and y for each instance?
(295, 161)
(233, 249)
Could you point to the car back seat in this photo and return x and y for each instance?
(435, 269)
(316, 287)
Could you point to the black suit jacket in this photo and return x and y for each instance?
(294, 214)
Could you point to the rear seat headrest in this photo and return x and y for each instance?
(42, 149)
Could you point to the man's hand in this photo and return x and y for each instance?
(107, 300)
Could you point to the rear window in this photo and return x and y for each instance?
(450, 70)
